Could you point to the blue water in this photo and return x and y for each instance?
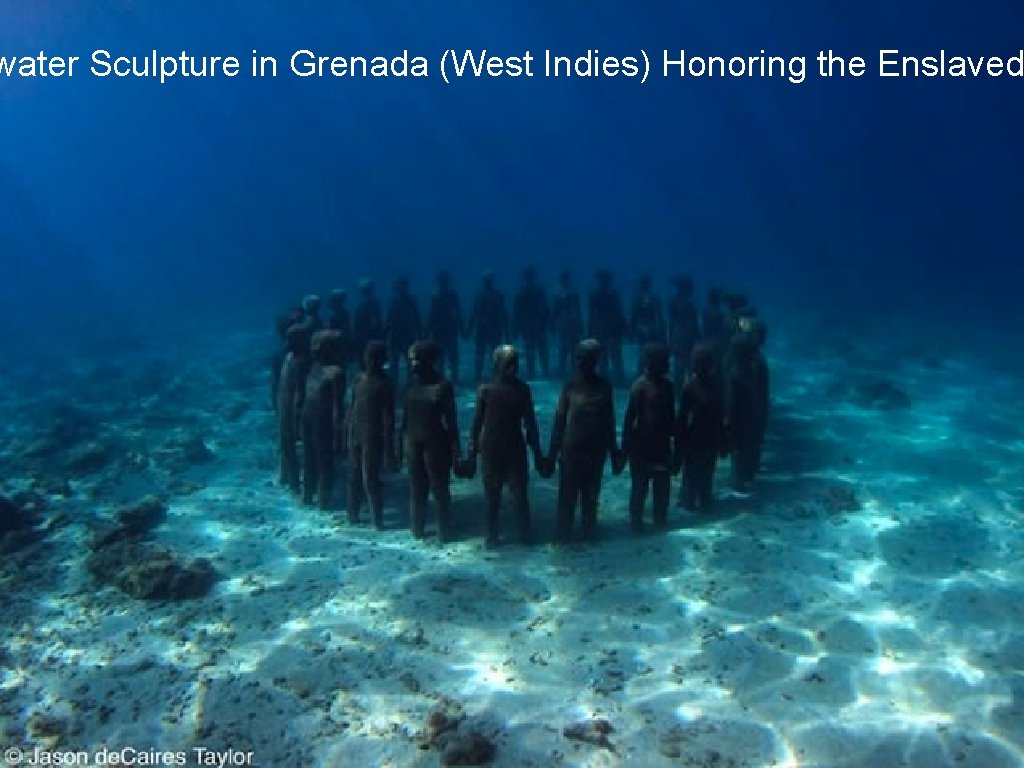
(128, 200)
(149, 233)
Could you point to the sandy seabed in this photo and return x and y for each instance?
(863, 607)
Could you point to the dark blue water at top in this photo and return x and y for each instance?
(128, 202)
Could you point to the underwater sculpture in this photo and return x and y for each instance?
(369, 434)
(282, 323)
(683, 327)
(606, 322)
(487, 323)
(649, 437)
(403, 324)
(746, 400)
(290, 394)
(646, 317)
(340, 320)
(323, 412)
(430, 439)
(582, 440)
(722, 402)
(567, 321)
(504, 426)
(531, 319)
(368, 318)
(311, 309)
(701, 429)
(444, 323)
